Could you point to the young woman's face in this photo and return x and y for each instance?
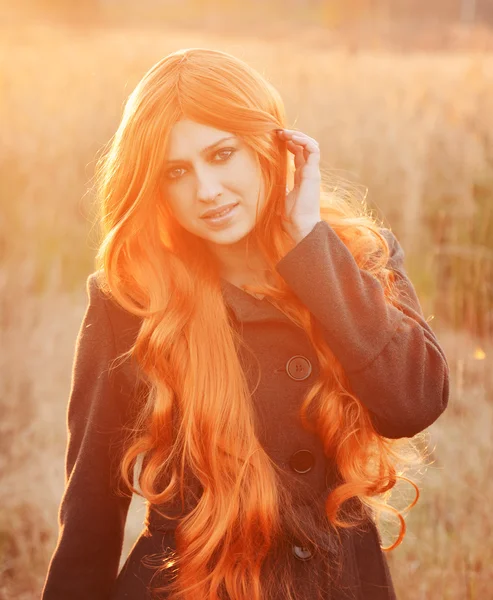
(204, 171)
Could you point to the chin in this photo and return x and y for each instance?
(228, 235)
(228, 239)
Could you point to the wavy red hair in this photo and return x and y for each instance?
(198, 418)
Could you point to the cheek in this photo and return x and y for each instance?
(250, 183)
(257, 195)
(178, 203)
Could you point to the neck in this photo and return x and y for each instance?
(241, 263)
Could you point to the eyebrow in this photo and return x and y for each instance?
(203, 151)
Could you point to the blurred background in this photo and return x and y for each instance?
(399, 93)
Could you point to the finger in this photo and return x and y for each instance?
(298, 151)
(290, 133)
(299, 160)
(301, 139)
(311, 149)
(303, 145)
(305, 141)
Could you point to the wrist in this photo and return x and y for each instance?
(302, 231)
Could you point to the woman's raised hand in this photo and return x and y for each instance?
(303, 201)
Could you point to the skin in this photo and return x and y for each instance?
(204, 179)
(196, 179)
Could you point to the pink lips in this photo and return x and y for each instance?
(217, 211)
(223, 220)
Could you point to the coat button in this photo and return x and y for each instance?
(302, 461)
(298, 367)
(302, 552)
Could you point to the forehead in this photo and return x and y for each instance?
(188, 138)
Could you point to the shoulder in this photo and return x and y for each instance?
(113, 320)
(396, 256)
(100, 298)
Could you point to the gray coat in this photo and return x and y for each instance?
(392, 358)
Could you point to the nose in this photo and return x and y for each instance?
(208, 185)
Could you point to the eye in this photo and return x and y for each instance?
(169, 174)
(230, 151)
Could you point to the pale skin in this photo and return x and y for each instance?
(235, 177)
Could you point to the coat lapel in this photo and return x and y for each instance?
(247, 309)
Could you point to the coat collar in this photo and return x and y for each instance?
(246, 308)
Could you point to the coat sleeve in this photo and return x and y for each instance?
(391, 356)
(91, 515)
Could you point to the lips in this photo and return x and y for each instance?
(217, 211)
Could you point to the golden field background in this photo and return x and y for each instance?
(414, 127)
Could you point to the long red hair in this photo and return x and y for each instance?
(198, 417)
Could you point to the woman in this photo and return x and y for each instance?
(268, 364)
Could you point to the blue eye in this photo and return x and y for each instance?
(230, 152)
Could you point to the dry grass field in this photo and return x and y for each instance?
(416, 129)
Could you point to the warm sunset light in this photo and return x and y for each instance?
(366, 347)
(479, 354)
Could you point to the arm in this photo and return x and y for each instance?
(391, 356)
(91, 516)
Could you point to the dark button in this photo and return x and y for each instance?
(298, 367)
(302, 552)
(302, 461)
